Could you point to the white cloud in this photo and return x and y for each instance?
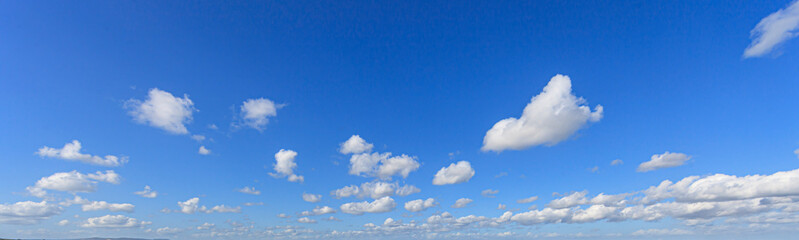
(461, 203)
(579, 198)
(383, 165)
(249, 190)
(283, 215)
(206, 226)
(71, 151)
(527, 200)
(192, 206)
(163, 110)
(721, 187)
(406, 190)
(665, 160)
(384, 204)
(168, 230)
(305, 220)
(419, 205)
(375, 190)
(114, 221)
(63, 222)
(773, 30)
(318, 211)
(659, 232)
(73, 182)
(455, 173)
(87, 205)
(224, 209)
(355, 145)
(27, 212)
(147, 192)
(311, 198)
(552, 116)
(284, 165)
(255, 113)
(502, 206)
(203, 151)
(489, 193)
(198, 137)
(616, 162)
(796, 152)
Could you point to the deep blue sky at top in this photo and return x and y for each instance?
(424, 78)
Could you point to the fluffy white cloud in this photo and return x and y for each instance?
(382, 165)
(163, 110)
(114, 221)
(206, 226)
(255, 113)
(284, 165)
(73, 182)
(103, 205)
(665, 160)
(318, 211)
(489, 193)
(63, 222)
(249, 190)
(355, 145)
(773, 30)
(406, 190)
(203, 151)
(87, 205)
(384, 204)
(27, 212)
(193, 205)
(420, 204)
(198, 137)
(375, 190)
(721, 187)
(460, 203)
(456, 173)
(502, 206)
(527, 200)
(305, 220)
(796, 152)
(311, 198)
(579, 198)
(71, 151)
(552, 116)
(147, 192)
(283, 215)
(616, 162)
(168, 230)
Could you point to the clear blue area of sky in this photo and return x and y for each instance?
(423, 78)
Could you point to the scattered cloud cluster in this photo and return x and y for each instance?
(311, 198)
(383, 166)
(419, 205)
(774, 30)
(192, 206)
(73, 182)
(255, 113)
(284, 166)
(163, 110)
(249, 190)
(114, 221)
(665, 160)
(552, 116)
(71, 151)
(147, 192)
(384, 204)
(453, 174)
(375, 190)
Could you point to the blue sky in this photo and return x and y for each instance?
(687, 89)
